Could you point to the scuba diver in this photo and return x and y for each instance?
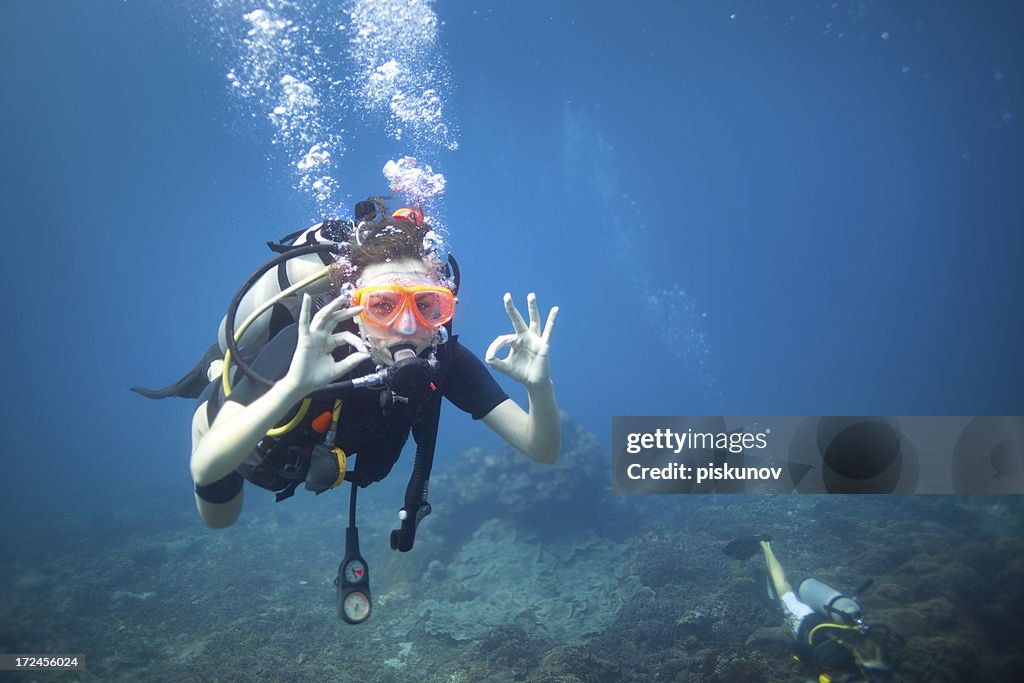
(827, 626)
(352, 368)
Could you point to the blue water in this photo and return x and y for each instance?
(809, 209)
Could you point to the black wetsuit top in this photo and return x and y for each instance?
(363, 428)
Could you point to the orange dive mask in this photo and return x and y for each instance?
(382, 305)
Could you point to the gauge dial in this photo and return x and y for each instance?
(355, 571)
(356, 606)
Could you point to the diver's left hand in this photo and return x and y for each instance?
(527, 361)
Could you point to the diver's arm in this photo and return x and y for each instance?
(215, 515)
(237, 428)
(537, 434)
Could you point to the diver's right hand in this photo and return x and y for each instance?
(313, 366)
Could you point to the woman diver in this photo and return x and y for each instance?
(388, 317)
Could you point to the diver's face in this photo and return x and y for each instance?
(407, 328)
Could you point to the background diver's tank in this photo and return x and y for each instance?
(828, 602)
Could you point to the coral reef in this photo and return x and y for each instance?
(523, 573)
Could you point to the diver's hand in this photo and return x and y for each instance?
(527, 361)
(313, 366)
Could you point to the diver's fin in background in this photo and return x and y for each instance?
(189, 386)
(745, 547)
(765, 589)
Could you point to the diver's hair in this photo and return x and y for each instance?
(381, 240)
(387, 240)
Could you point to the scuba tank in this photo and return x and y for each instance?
(266, 304)
(282, 276)
(828, 602)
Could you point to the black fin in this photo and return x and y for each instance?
(189, 386)
(765, 590)
(745, 547)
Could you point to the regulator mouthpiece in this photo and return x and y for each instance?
(410, 375)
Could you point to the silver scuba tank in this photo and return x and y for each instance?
(270, 285)
(828, 602)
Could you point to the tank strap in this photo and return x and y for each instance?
(832, 612)
(282, 277)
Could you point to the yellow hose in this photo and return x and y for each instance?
(284, 429)
(843, 627)
(226, 370)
